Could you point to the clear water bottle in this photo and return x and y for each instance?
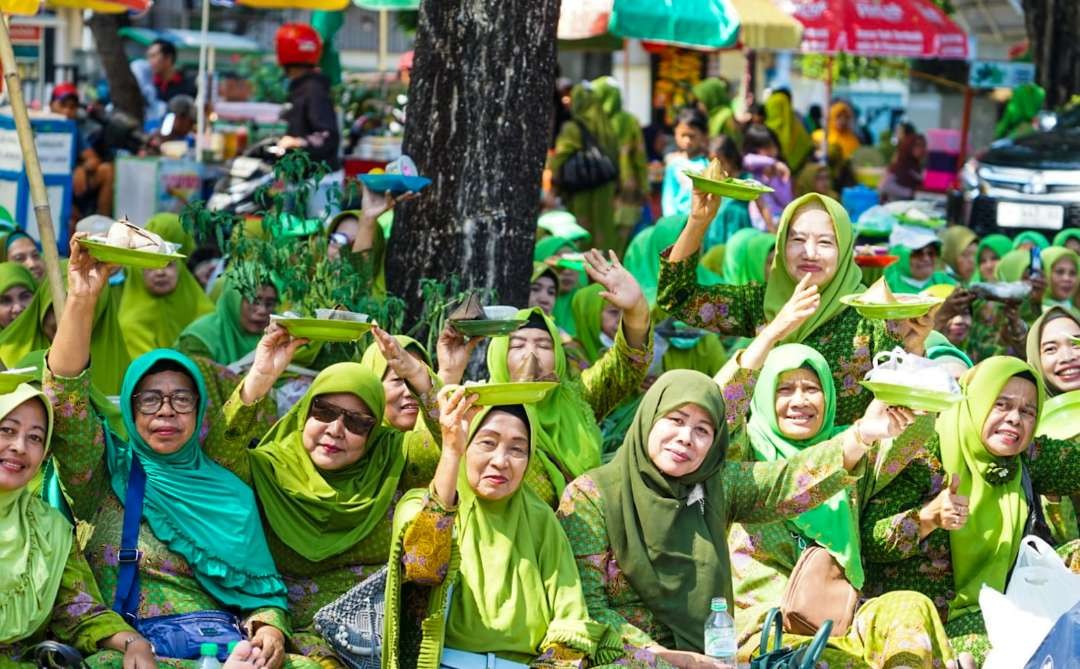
(208, 656)
(720, 641)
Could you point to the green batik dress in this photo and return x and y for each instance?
(79, 617)
(313, 585)
(848, 342)
(896, 559)
(167, 583)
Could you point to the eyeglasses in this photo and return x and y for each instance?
(149, 402)
(340, 239)
(325, 412)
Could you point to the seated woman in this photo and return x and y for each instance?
(815, 237)
(567, 436)
(649, 529)
(486, 555)
(233, 329)
(17, 286)
(905, 173)
(959, 246)
(47, 590)
(953, 518)
(201, 544)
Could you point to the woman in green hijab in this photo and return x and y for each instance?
(795, 142)
(649, 529)
(815, 238)
(202, 542)
(550, 251)
(1028, 239)
(991, 249)
(47, 590)
(594, 208)
(1057, 285)
(157, 304)
(1025, 103)
(713, 94)
(959, 246)
(633, 159)
(17, 286)
(914, 271)
(748, 257)
(1069, 238)
(953, 518)
(327, 474)
(487, 555)
(643, 255)
(233, 329)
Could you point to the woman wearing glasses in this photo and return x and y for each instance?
(200, 543)
(233, 329)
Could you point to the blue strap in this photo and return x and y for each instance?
(127, 582)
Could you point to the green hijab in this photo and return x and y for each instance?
(674, 555)
(1034, 344)
(831, 525)
(34, 545)
(984, 549)
(562, 312)
(151, 321)
(713, 93)
(567, 435)
(1065, 235)
(847, 280)
(1025, 103)
(374, 362)
(745, 255)
(13, 274)
(1051, 256)
(643, 255)
(221, 331)
(194, 506)
(795, 142)
(376, 255)
(588, 308)
(171, 229)
(319, 513)
(1012, 265)
(1031, 237)
(587, 108)
(938, 346)
(954, 241)
(898, 274)
(999, 244)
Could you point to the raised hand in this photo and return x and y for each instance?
(882, 421)
(703, 208)
(456, 412)
(453, 352)
(948, 511)
(802, 304)
(273, 354)
(374, 205)
(621, 288)
(87, 276)
(401, 361)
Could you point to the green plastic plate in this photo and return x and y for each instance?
(915, 399)
(10, 380)
(319, 329)
(129, 257)
(736, 189)
(932, 223)
(522, 392)
(487, 328)
(1058, 419)
(910, 306)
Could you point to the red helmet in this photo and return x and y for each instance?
(297, 44)
(63, 90)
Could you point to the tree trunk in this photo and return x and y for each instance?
(123, 88)
(478, 116)
(1052, 28)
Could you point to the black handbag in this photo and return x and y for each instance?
(785, 657)
(53, 655)
(588, 168)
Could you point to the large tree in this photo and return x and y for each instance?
(123, 88)
(478, 124)
(1053, 27)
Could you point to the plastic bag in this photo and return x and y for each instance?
(907, 369)
(1061, 647)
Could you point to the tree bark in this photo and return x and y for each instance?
(123, 88)
(1052, 28)
(478, 116)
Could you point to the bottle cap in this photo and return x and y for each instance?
(719, 604)
(208, 649)
(232, 646)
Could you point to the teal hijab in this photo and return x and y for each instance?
(831, 525)
(1031, 237)
(196, 507)
(999, 245)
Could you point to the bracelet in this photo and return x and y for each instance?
(132, 639)
(858, 435)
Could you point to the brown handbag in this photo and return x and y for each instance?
(818, 590)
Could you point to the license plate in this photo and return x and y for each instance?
(1022, 215)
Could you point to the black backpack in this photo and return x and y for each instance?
(588, 168)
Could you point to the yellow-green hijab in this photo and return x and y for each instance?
(34, 544)
(984, 549)
(795, 142)
(374, 362)
(847, 280)
(221, 331)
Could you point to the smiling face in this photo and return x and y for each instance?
(800, 404)
(680, 440)
(23, 435)
(1063, 279)
(24, 252)
(812, 247)
(1011, 423)
(255, 316)
(497, 456)
(401, 408)
(923, 261)
(13, 302)
(161, 282)
(542, 294)
(531, 356)
(329, 444)
(1059, 354)
(988, 261)
(167, 430)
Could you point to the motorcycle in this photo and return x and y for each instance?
(248, 173)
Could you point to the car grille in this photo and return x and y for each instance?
(1019, 187)
(983, 218)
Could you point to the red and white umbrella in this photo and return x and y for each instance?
(903, 28)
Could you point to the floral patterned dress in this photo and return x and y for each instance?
(167, 583)
(313, 585)
(79, 616)
(848, 342)
(896, 559)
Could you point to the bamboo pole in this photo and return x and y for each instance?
(200, 96)
(38, 195)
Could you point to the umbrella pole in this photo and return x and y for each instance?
(384, 39)
(200, 100)
(38, 195)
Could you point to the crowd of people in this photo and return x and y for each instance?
(706, 428)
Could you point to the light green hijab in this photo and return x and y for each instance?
(221, 331)
(954, 241)
(1031, 237)
(567, 435)
(588, 309)
(643, 255)
(374, 362)
(675, 556)
(984, 549)
(795, 142)
(13, 274)
(34, 544)
(831, 525)
(713, 93)
(999, 245)
(745, 255)
(1034, 343)
(319, 513)
(847, 280)
(562, 312)
(898, 275)
(1065, 235)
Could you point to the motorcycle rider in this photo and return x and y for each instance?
(312, 121)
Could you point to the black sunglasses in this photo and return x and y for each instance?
(325, 412)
